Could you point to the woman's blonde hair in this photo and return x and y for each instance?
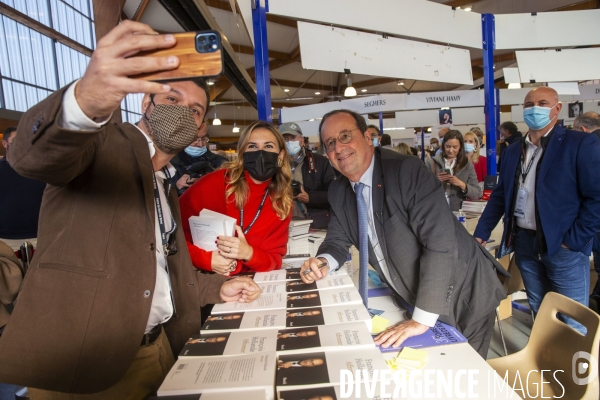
(280, 187)
(472, 135)
(403, 148)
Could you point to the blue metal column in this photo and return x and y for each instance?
(422, 144)
(488, 28)
(380, 122)
(261, 60)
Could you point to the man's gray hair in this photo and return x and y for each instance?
(589, 120)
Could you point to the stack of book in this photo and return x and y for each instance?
(314, 241)
(473, 207)
(298, 236)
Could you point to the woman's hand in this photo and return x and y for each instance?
(222, 265)
(444, 177)
(235, 247)
(457, 182)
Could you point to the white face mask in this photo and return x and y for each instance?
(293, 147)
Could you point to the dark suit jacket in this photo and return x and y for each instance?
(84, 303)
(567, 192)
(317, 182)
(433, 261)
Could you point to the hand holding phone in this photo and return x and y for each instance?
(200, 56)
(106, 80)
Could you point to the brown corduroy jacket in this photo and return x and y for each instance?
(85, 301)
(11, 277)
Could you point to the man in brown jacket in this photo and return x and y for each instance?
(111, 293)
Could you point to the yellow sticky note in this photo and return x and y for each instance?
(379, 323)
(413, 354)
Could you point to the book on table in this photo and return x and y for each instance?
(327, 316)
(440, 334)
(230, 343)
(351, 335)
(329, 297)
(266, 301)
(239, 374)
(333, 392)
(329, 282)
(322, 368)
(294, 261)
(251, 394)
(248, 320)
(271, 287)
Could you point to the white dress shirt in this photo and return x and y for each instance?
(421, 316)
(161, 310)
(529, 185)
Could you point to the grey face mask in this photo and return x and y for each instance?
(172, 127)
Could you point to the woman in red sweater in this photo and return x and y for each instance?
(472, 150)
(256, 190)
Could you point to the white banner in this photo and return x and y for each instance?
(362, 105)
(459, 98)
(418, 138)
(588, 92)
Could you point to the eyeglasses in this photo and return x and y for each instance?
(204, 139)
(344, 137)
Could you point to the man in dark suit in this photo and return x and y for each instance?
(415, 243)
(111, 294)
(549, 194)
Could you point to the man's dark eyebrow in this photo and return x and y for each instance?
(195, 103)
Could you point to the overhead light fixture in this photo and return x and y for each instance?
(467, 9)
(428, 129)
(210, 83)
(216, 121)
(514, 86)
(445, 108)
(363, 90)
(350, 91)
(401, 83)
(458, 8)
(312, 119)
(235, 129)
(317, 92)
(286, 90)
(272, 108)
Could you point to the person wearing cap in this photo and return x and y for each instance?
(311, 176)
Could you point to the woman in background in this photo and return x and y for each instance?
(472, 150)
(403, 148)
(455, 171)
(255, 189)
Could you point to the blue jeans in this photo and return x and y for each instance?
(596, 251)
(566, 272)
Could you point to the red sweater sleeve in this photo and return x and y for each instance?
(273, 247)
(481, 168)
(193, 201)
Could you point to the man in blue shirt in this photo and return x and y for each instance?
(549, 194)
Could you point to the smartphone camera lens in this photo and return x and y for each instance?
(202, 39)
(207, 47)
(212, 38)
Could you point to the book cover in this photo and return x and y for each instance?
(331, 297)
(329, 282)
(205, 375)
(228, 222)
(333, 392)
(294, 261)
(292, 274)
(440, 334)
(277, 275)
(230, 343)
(249, 320)
(323, 368)
(205, 230)
(353, 335)
(266, 301)
(251, 394)
(271, 287)
(327, 316)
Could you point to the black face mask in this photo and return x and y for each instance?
(261, 165)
